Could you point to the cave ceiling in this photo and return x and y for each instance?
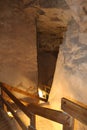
(51, 15)
(51, 19)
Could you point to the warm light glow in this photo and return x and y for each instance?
(40, 93)
(9, 114)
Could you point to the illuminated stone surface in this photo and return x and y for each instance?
(71, 68)
(18, 57)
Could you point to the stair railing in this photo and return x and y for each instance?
(75, 109)
(71, 110)
(32, 110)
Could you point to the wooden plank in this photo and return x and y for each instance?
(33, 97)
(15, 89)
(15, 115)
(77, 111)
(57, 116)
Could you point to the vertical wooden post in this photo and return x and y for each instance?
(69, 126)
(32, 123)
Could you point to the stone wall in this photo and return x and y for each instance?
(70, 79)
(18, 56)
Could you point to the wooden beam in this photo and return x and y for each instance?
(77, 111)
(32, 123)
(57, 116)
(34, 98)
(15, 89)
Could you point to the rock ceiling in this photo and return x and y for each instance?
(51, 19)
(51, 14)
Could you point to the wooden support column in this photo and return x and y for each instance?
(70, 120)
(32, 123)
(70, 125)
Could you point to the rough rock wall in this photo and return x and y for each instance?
(18, 57)
(70, 79)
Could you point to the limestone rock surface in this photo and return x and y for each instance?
(71, 68)
(18, 67)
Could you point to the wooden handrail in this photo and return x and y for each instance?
(34, 97)
(71, 110)
(15, 89)
(57, 116)
(32, 108)
(77, 111)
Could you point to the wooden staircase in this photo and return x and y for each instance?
(70, 110)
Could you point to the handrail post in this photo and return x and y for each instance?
(70, 125)
(32, 123)
(76, 110)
